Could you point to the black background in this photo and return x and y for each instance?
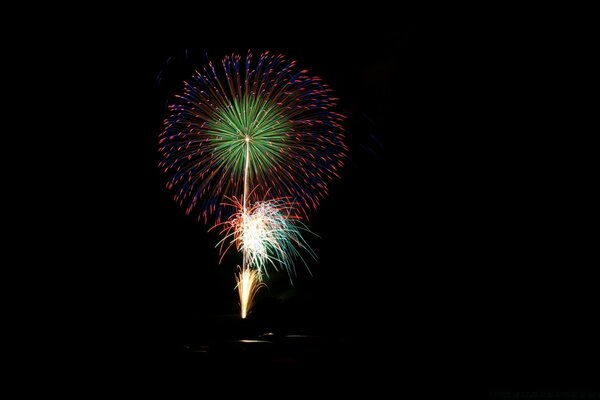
(447, 257)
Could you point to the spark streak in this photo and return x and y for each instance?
(248, 284)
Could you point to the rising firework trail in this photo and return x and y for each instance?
(247, 284)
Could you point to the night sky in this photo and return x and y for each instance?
(359, 222)
(433, 252)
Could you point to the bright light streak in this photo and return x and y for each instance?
(248, 284)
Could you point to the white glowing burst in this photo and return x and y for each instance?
(267, 234)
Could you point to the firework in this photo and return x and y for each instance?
(264, 124)
(267, 111)
(248, 284)
(268, 234)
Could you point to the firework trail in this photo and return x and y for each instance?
(262, 123)
(247, 285)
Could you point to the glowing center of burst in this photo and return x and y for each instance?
(255, 232)
(247, 138)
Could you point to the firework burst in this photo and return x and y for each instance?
(268, 234)
(266, 110)
(263, 123)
